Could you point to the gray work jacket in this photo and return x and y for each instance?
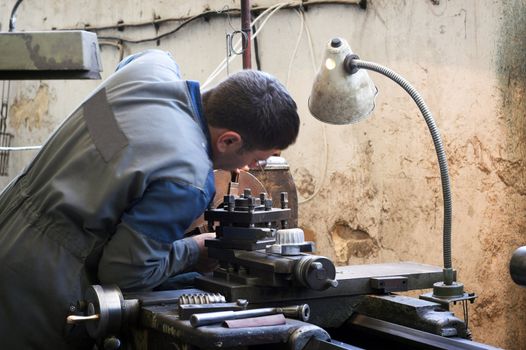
(106, 200)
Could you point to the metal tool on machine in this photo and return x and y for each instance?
(225, 185)
(255, 247)
(301, 312)
(186, 311)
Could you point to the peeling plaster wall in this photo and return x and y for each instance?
(369, 192)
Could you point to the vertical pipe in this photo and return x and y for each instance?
(247, 59)
(246, 28)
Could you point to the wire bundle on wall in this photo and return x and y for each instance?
(120, 41)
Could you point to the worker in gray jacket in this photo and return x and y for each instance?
(108, 198)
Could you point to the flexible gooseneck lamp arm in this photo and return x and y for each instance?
(343, 93)
(351, 64)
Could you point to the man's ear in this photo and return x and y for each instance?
(229, 141)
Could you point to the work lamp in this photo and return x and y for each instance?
(343, 93)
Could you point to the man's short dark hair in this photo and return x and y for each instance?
(255, 105)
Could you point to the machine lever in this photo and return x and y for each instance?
(75, 319)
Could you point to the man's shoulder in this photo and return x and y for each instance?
(144, 56)
(151, 63)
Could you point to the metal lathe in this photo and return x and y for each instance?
(270, 290)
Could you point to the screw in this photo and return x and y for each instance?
(336, 42)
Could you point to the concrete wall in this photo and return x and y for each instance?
(369, 192)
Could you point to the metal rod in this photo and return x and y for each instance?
(246, 28)
(301, 312)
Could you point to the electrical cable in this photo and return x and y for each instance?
(12, 18)
(236, 11)
(156, 22)
(223, 63)
(206, 14)
(271, 11)
(187, 20)
(323, 127)
(118, 45)
(157, 37)
(311, 45)
(256, 49)
(296, 46)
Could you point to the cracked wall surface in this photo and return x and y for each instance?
(368, 192)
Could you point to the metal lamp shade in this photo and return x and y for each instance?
(338, 97)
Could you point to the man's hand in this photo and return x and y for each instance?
(205, 264)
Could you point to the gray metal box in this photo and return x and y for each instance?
(72, 54)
